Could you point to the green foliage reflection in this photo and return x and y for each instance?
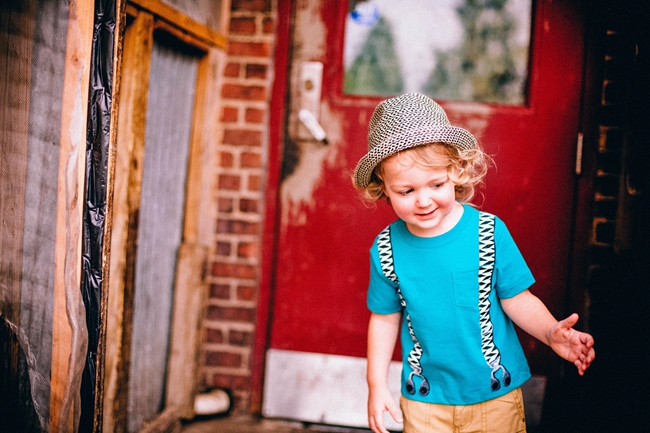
(486, 63)
(376, 70)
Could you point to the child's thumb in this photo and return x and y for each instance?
(396, 413)
(570, 321)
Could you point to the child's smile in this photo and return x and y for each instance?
(423, 197)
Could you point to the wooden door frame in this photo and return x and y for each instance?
(135, 44)
(277, 128)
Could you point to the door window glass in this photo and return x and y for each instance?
(464, 50)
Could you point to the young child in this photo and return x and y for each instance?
(456, 291)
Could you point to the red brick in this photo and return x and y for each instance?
(248, 205)
(229, 181)
(240, 338)
(238, 91)
(256, 71)
(225, 205)
(233, 314)
(229, 114)
(245, 293)
(268, 25)
(251, 160)
(242, 25)
(242, 137)
(251, 5)
(230, 381)
(237, 227)
(231, 70)
(247, 250)
(214, 336)
(223, 359)
(223, 248)
(241, 402)
(234, 270)
(253, 49)
(254, 115)
(254, 183)
(226, 159)
(220, 291)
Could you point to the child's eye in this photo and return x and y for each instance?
(438, 185)
(405, 192)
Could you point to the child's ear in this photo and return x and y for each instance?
(383, 192)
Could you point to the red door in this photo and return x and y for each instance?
(324, 231)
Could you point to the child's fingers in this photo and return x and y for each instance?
(379, 425)
(376, 424)
(376, 418)
(584, 361)
(395, 413)
(582, 366)
(588, 340)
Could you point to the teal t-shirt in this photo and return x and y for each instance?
(438, 278)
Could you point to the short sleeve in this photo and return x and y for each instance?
(513, 275)
(382, 292)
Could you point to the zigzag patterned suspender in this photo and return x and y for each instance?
(487, 252)
(491, 353)
(387, 266)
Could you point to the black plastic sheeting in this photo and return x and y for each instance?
(97, 155)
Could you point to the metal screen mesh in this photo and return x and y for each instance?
(32, 60)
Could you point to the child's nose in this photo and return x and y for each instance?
(423, 199)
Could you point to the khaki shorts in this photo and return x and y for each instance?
(504, 414)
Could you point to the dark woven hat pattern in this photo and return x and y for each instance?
(403, 122)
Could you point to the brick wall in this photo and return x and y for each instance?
(234, 271)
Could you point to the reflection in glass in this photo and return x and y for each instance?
(466, 50)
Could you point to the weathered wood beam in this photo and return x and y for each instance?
(69, 334)
(183, 22)
(129, 163)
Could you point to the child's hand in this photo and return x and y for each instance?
(574, 346)
(379, 401)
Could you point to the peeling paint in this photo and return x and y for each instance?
(473, 117)
(312, 158)
(296, 194)
(297, 189)
(308, 45)
(310, 31)
(477, 125)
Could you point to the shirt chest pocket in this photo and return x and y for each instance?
(465, 287)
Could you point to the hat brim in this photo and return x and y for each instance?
(453, 135)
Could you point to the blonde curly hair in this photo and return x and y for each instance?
(466, 167)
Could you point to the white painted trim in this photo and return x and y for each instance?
(319, 388)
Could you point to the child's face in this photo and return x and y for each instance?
(423, 197)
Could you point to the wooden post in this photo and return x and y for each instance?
(129, 162)
(69, 335)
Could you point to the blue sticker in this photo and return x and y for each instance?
(365, 14)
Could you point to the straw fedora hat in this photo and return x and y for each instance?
(403, 122)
